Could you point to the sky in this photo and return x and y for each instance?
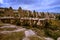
(38, 5)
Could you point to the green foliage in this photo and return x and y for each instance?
(53, 29)
(58, 17)
(52, 33)
(39, 32)
(17, 22)
(1, 14)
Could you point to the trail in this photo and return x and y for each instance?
(28, 32)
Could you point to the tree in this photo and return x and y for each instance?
(10, 8)
(34, 13)
(20, 11)
(19, 8)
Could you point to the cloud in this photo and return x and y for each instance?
(38, 5)
(56, 2)
(1, 1)
(20, 1)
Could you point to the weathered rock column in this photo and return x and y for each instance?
(35, 23)
(0, 20)
(30, 22)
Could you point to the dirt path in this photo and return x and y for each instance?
(28, 33)
(11, 26)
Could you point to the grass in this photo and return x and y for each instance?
(53, 30)
(12, 36)
(39, 32)
(36, 38)
(7, 29)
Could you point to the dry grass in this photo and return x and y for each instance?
(12, 36)
(7, 29)
(36, 38)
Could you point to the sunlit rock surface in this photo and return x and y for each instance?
(58, 38)
(48, 38)
(26, 38)
(29, 33)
